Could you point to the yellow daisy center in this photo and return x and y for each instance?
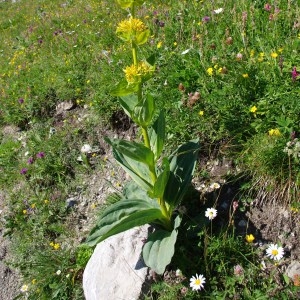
(274, 252)
(198, 281)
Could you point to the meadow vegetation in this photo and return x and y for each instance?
(226, 72)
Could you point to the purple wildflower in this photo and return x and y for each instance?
(206, 19)
(30, 160)
(23, 171)
(295, 74)
(40, 155)
(161, 24)
(21, 100)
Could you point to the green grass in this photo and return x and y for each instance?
(53, 52)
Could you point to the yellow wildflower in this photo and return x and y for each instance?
(131, 73)
(175, 44)
(56, 246)
(33, 281)
(131, 24)
(51, 244)
(133, 30)
(201, 113)
(274, 54)
(245, 75)
(159, 44)
(210, 71)
(24, 211)
(274, 132)
(252, 52)
(33, 205)
(46, 201)
(253, 109)
(249, 238)
(294, 209)
(136, 73)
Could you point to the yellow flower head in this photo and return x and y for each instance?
(159, 44)
(133, 30)
(249, 238)
(201, 113)
(274, 132)
(210, 71)
(138, 73)
(253, 109)
(245, 75)
(274, 54)
(56, 246)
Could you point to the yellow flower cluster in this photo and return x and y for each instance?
(253, 109)
(131, 25)
(274, 132)
(133, 30)
(55, 246)
(136, 73)
(210, 71)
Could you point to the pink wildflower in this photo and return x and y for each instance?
(295, 74)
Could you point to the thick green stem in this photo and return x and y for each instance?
(134, 53)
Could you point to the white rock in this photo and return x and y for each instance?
(116, 269)
(293, 269)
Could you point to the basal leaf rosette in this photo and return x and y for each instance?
(138, 73)
(129, 3)
(133, 30)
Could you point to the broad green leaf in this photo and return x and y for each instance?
(151, 59)
(143, 112)
(124, 89)
(157, 135)
(128, 103)
(159, 248)
(162, 179)
(133, 150)
(138, 171)
(182, 166)
(142, 37)
(133, 191)
(121, 216)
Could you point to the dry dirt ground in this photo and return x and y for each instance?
(268, 223)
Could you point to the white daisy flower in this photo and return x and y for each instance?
(58, 272)
(219, 10)
(86, 148)
(215, 186)
(275, 252)
(197, 282)
(24, 288)
(211, 213)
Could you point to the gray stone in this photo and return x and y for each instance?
(116, 269)
(293, 269)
